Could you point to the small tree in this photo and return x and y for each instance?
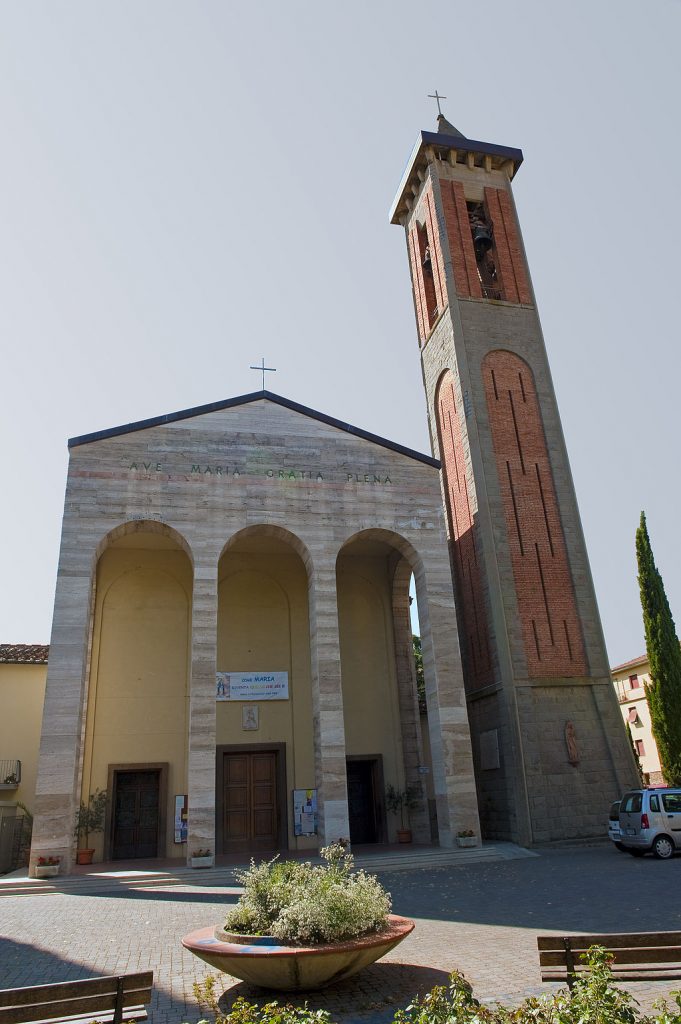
(418, 663)
(90, 817)
(664, 657)
(402, 802)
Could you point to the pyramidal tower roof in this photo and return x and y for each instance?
(448, 143)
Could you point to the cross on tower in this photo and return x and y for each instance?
(437, 99)
(263, 369)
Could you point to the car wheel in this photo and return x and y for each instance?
(622, 849)
(636, 853)
(663, 847)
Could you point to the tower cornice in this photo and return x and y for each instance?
(430, 146)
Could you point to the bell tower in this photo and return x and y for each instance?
(549, 746)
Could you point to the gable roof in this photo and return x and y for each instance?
(24, 654)
(254, 396)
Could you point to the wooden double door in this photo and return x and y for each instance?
(252, 800)
(136, 819)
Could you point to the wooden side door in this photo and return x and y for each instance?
(250, 811)
(135, 815)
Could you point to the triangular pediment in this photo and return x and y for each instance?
(255, 396)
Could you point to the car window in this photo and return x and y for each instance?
(631, 803)
(672, 802)
(654, 802)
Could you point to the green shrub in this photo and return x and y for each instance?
(594, 999)
(243, 1012)
(302, 904)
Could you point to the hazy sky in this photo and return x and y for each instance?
(187, 186)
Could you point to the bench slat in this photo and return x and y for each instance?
(132, 1013)
(639, 955)
(633, 974)
(36, 994)
(65, 1008)
(580, 943)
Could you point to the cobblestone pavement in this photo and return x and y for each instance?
(481, 918)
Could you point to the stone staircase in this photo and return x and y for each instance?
(100, 881)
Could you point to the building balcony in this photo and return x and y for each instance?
(10, 774)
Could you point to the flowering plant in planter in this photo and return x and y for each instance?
(48, 861)
(466, 833)
(305, 904)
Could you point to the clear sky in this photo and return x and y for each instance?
(188, 186)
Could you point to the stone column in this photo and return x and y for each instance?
(450, 741)
(59, 764)
(412, 753)
(201, 766)
(327, 707)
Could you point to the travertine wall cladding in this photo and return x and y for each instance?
(203, 480)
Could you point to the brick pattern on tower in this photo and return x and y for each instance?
(474, 636)
(464, 264)
(543, 582)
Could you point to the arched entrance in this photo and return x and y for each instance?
(382, 737)
(136, 725)
(264, 711)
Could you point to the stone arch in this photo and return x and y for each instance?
(142, 526)
(277, 532)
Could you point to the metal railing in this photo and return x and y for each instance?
(10, 774)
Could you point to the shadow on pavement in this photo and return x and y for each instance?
(592, 890)
(24, 964)
(376, 992)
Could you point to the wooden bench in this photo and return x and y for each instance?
(111, 999)
(639, 956)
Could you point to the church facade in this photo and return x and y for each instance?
(231, 657)
(232, 630)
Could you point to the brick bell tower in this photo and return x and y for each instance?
(549, 746)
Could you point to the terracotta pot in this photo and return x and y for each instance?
(84, 856)
(259, 960)
(404, 835)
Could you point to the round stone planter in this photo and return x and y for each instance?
(262, 961)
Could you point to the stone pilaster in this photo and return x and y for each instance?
(201, 767)
(64, 709)
(327, 707)
(405, 669)
(450, 741)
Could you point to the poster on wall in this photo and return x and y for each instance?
(305, 812)
(181, 818)
(251, 686)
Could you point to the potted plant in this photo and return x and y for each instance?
(201, 859)
(402, 802)
(301, 926)
(89, 818)
(466, 837)
(47, 867)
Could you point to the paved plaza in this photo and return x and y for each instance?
(480, 918)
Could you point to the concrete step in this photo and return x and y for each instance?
(103, 881)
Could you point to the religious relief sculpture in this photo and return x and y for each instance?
(571, 743)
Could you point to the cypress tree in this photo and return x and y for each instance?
(664, 657)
